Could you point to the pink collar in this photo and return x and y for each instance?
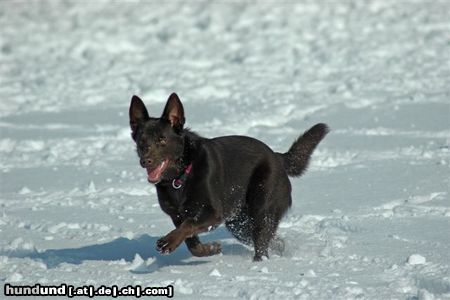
(178, 183)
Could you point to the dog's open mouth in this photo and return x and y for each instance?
(154, 174)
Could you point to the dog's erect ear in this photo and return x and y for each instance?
(174, 112)
(138, 114)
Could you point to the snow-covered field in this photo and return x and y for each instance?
(370, 219)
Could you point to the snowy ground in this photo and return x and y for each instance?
(76, 207)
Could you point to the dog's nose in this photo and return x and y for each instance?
(145, 162)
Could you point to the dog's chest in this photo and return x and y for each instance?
(171, 200)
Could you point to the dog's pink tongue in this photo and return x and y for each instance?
(155, 174)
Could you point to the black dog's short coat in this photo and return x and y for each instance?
(201, 183)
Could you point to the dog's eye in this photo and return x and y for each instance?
(162, 140)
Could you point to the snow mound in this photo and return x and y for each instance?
(416, 259)
(139, 265)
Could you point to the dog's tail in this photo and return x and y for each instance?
(297, 158)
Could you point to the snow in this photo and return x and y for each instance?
(416, 259)
(370, 218)
(138, 265)
(215, 273)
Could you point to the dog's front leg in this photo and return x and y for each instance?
(188, 229)
(195, 246)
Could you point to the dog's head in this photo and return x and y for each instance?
(159, 141)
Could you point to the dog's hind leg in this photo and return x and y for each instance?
(263, 233)
(241, 227)
(268, 198)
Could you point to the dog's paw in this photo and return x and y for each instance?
(214, 248)
(162, 246)
(167, 244)
(206, 249)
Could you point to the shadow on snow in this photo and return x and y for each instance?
(126, 249)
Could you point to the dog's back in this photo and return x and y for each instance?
(232, 164)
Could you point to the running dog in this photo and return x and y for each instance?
(202, 183)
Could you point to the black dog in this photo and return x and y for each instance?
(202, 182)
